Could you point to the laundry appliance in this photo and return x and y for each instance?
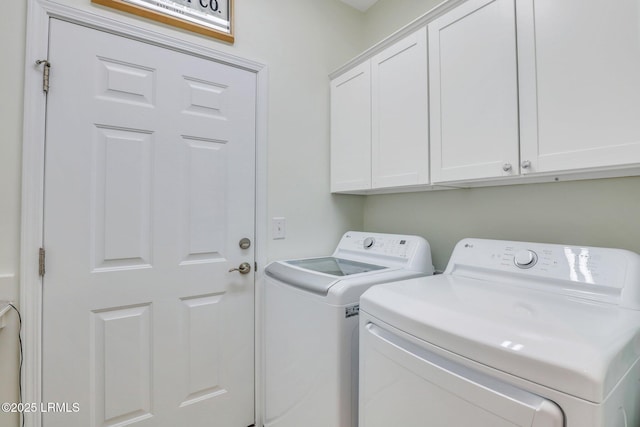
(311, 325)
(512, 334)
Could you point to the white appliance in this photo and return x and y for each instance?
(512, 334)
(311, 325)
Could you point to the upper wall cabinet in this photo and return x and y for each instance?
(351, 130)
(517, 91)
(474, 91)
(379, 120)
(560, 95)
(579, 64)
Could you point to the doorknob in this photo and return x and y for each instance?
(243, 268)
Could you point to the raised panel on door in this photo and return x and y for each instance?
(400, 118)
(149, 179)
(351, 130)
(474, 92)
(580, 91)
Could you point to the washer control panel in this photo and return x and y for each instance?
(391, 250)
(397, 246)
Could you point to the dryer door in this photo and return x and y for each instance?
(403, 383)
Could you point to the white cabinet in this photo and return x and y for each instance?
(580, 83)
(351, 130)
(474, 92)
(515, 91)
(560, 94)
(400, 116)
(379, 120)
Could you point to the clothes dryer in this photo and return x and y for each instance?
(512, 334)
(311, 325)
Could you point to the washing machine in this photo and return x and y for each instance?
(311, 325)
(512, 334)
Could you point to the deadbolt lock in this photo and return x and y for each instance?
(244, 243)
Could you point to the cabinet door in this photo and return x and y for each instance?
(351, 130)
(474, 92)
(400, 140)
(580, 83)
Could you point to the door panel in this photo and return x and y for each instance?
(399, 113)
(122, 203)
(579, 86)
(149, 186)
(403, 383)
(122, 363)
(473, 88)
(351, 130)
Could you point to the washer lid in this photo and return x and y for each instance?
(319, 274)
(575, 346)
(334, 266)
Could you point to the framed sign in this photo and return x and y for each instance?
(209, 17)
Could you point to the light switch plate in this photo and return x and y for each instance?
(278, 227)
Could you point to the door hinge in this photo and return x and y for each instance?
(45, 74)
(41, 255)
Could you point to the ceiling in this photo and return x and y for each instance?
(361, 5)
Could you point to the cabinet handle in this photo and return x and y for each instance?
(526, 164)
(507, 167)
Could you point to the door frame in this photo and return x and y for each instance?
(39, 13)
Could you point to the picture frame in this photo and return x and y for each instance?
(212, 18)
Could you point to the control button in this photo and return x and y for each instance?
(368, 242)
(525, 258)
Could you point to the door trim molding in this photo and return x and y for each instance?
(39, 13)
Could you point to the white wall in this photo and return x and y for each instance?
(301, 41)
(601, 212)
(388, 16)
(12, 32)
(595, 213)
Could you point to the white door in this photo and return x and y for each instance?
(149, 186)
(473, 87)
(351, 130)
(579, 64)
(402, 383)
(399, 113)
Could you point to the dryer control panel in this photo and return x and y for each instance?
(601, 274)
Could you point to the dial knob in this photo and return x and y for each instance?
(525, 258)
(368, 242)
